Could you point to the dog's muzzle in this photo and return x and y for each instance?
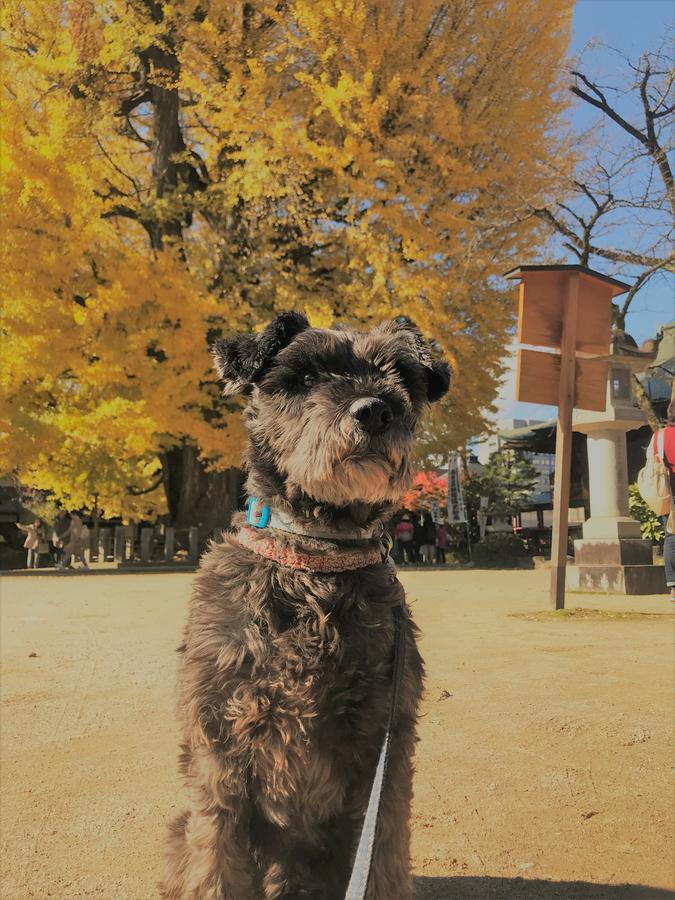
(373, 415)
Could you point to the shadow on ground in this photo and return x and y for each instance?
(525, 889)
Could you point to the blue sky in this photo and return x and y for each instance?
(631, 27)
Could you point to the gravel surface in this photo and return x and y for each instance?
(544, 768)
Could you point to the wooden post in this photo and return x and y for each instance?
(94, 544)
(563, 446)
(169, 543)
(146, 544)
(194, 544)
(129, 542)
(105, 540)
(119, 543)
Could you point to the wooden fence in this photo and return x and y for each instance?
(133, 545)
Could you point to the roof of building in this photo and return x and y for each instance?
(664, 364)
(538, 438)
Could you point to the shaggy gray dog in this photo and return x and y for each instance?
(286, 674)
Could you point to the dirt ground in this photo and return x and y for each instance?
(544, 768)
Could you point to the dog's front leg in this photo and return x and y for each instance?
(208, 855)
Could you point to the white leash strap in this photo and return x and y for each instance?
(358, 882)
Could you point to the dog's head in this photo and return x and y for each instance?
(333, 412)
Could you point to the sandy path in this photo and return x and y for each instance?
(550, 761)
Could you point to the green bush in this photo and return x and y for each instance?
(500, 551)
(650, 524)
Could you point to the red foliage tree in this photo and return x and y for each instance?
(426, 488)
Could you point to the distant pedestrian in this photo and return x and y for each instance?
(427, 540)
(60, 537)
(418, 539)
(441, 542)
(36, 542)
(404, 538)
(668, 521)
(78, 542)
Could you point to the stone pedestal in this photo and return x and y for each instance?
(621, 566)
(612, 557)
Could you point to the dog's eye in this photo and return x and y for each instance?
(309, 380)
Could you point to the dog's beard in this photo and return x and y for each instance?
(344, 465)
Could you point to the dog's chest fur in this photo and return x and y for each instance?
(287, 676)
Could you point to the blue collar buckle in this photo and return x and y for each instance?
(263, 517)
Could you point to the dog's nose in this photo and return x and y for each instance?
(372, 414)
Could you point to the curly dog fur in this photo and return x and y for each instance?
(285, 676)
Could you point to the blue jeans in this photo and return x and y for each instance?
(669, 559)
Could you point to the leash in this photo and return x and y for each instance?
(363, 860)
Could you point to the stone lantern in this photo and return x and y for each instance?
(612, 556)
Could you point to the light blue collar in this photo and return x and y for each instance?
(260, 515)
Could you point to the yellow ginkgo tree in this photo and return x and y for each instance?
(171, 171)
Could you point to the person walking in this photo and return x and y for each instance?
(441, 542)
(417, 540)
(669, 521)
(35, 543)
(427, 540)
(60, 537)
(78, 542)
(404, 538)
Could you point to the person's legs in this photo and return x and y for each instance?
(29, 559)
(669, 560)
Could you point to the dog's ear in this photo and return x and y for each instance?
(428, 353)
(243, 359)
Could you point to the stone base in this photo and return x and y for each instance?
(611, 528)
(620, 566)
(621, 552)
(617, 579)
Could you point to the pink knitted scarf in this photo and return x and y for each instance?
(330, 560)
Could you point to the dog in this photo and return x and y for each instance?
(286, 671)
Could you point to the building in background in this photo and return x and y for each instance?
(543, 461)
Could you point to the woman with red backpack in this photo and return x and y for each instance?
(662, 447)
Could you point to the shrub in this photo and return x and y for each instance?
(650, 524)
(500, 551)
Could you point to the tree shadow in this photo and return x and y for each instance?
(478, 888)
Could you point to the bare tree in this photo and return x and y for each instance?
(620, 202)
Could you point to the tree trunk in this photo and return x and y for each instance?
(196, 496)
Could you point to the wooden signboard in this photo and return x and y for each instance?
(539, 379)
(540, 318)
(567, 309)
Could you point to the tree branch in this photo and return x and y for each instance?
(138, 492)
(639, 282)
(129, 105)
(604, 106)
